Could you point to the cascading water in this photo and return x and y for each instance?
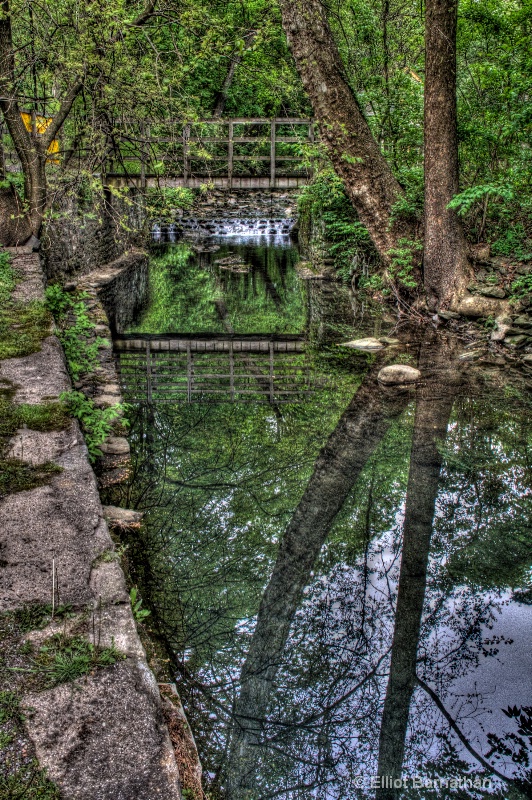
(196, 228)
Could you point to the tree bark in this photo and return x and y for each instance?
(338, 466)
(355, 155)
(445, 263)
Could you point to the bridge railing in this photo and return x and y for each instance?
(241, 151)
(214, 368)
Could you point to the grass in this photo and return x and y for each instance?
(27, 666)
(63, 659)
(23, 326)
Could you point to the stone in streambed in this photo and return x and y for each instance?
(368, 344)
(478, 306)
(398, 375)
(493, 291)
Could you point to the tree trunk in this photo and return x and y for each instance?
(434, 403)
(338, 466)
(446, 268)
(355, 155)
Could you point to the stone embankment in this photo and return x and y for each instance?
(104, 736)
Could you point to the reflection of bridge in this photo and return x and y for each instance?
(212, 367)
(239, 153)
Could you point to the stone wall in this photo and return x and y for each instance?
(122, 288)
(85, 233)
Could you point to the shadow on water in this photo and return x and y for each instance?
(344, 582)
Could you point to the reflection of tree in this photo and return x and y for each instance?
(222, 484)
(434, 403)
(339, 464)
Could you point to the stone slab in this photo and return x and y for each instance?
(40, 376)
(105, 739)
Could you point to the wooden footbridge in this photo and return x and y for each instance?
(213, 368)
(237, 153)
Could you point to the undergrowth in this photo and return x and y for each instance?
(75, 330)
(97, 423)
(62, 659)
(76, 333)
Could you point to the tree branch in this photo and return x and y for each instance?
(64, 110)
(477, 756)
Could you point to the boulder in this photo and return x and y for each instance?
(368, 344)
(475, 306)
(398, 375)
(122, 517)
(493, 291)
(115, 446)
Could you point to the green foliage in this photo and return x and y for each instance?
(75, 330)
(514, 243)
(183, 295)
(97, 423)
(324, 204)
(163, 203)
(521, 287)
(403, 262)
(139, 613)
(464, 201)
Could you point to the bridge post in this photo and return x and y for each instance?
(230, 146)
(231, 370)
(148, 372)
(189, 372)
(271, 372)
(272, 153)
(186, 153)
(142, 155)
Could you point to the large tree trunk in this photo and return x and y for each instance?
(354, 153)
(338, 466)
(446, 269)
(434, 403)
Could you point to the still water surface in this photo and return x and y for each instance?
(345, 580)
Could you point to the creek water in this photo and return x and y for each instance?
(343, 573)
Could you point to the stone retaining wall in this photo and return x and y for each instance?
(106, 737)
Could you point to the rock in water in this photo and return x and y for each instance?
(398, 375)
(363, 344)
